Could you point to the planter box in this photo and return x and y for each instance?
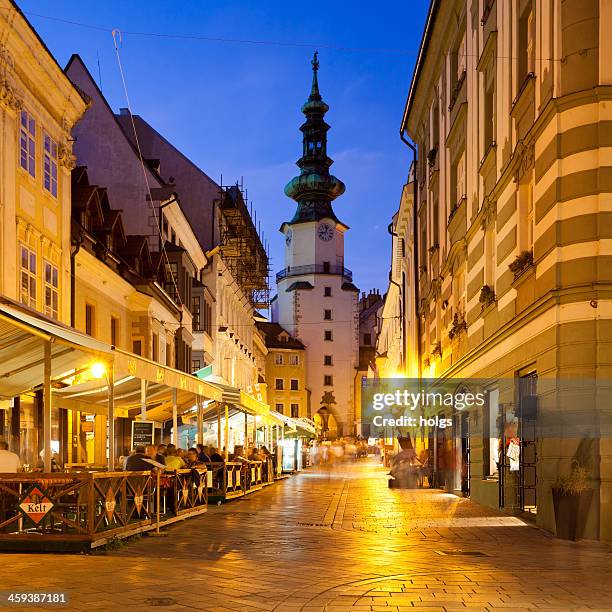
(571, 513)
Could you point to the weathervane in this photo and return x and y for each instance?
(315, 61)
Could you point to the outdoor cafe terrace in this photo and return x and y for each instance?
(84, 506)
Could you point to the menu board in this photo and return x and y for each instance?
(142, 433)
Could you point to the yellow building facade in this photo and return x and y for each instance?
(285, 371)
(510, 110)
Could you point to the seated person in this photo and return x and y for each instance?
(193, 460)
(203, 453)
(151, 453)
(173, 461)
(215, 456)
(254, 454)
(136, 461)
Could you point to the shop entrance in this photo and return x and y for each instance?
(528, 415)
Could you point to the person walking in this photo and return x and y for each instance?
(10, 463)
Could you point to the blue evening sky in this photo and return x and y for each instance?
(234, 108)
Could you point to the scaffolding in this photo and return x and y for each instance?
(242, 248)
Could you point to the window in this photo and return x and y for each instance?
(280, 408)
(50, 166)
(278, 358)
(196, 365)
(28, 277)
(171, 285)
(489, 259)
(367, 339)
(207, 318)
(137, 347)
(458, 180)
(51, 290)
(90, 319)
(328, 360)
(164, 226)
(327, 292)
(155, 348)
(294, 360)
(27, 143)
(526, 45)
(295, 411)
(459, 293)
(327, 314)
(114, 330)
(195, 312)
(326, 267)
(173, 236)
(490, 442)
(526, 220)
(295, 384)
(328, 335)
(168, 354)
(280, 384)
(489, 110)
(328, 380)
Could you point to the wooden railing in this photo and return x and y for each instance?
(79, 510)
(236, 478)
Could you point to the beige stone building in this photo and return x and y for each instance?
(510, 108)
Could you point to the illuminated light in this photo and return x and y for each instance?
(98, 370)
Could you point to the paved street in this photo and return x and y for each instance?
(333, 539)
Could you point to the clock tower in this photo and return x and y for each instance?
(317, 301)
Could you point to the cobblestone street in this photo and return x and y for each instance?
(334, 539)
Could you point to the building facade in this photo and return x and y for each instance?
(317, 301)
(38, 109)
(285, 371)
(509, 108)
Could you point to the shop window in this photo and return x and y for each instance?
(28, 277)
(295, 411)
(327, 360)
(51, 290)
(280, 408)
(328, 335)
(328, 380)
(294, 360)
(50, 166)
(295, 384)
(491, 435)
(90, 319)
(280, 384)
(278, 359)
(27, 143)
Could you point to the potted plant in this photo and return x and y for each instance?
(572, 495)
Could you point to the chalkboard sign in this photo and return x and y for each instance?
(142, 433)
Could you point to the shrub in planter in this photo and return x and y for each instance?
(572, 495)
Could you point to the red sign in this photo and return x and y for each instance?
(36, 504)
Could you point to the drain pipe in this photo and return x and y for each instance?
(415, 242)
(73, 253)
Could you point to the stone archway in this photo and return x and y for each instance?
(327, 423)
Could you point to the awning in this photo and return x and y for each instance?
(22, 340)
(294, 423)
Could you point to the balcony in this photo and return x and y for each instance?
(346, 274)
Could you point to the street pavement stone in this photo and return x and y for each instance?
(333, 539)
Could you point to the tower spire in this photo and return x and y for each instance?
(314, 92)
(315, 188)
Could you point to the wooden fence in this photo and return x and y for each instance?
(71, 511)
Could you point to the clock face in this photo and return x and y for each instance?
(288, 236)
(325, 232)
